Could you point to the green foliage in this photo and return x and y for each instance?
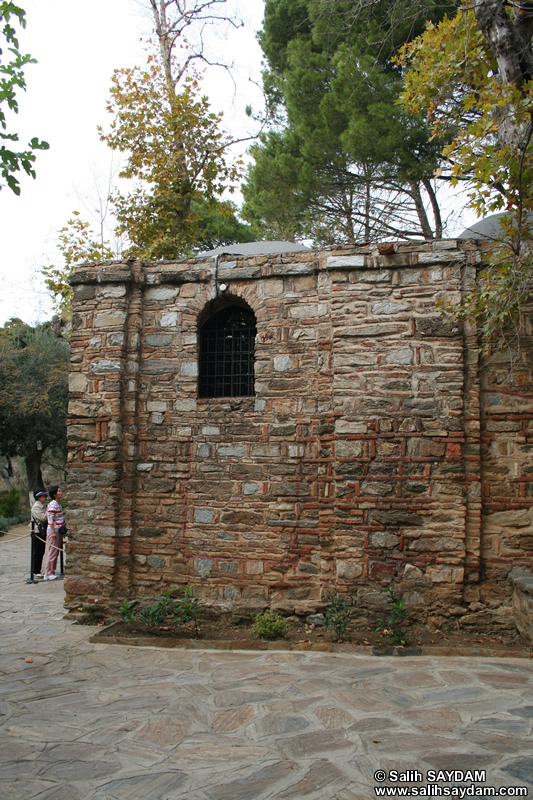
(454, 77)
(392, 626)
(175, 151)
(188, 609)
(152, 616)
(12, 80)
(185, 610)
(77, 244)
(127, 610)
(270, 625)
(33, 394)
(339, 615)
(217, 224)
(10, 504)
(347, 162)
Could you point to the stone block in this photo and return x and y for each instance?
(156, 405)
(334, 262)
(229, 567)
(396, 517)
(203, 567)
(77, 382)
(283, 430)
(189, 369)
(156, 561)
(161, 293)
(157, 340)
(149, 532)
(349, 569)
(387, 307)
(402, 356)
(384, 540)
(347, 427)
(241, 517)
(109, 319)
(254, 567)
(382, 569)
(169, 319)
(104, 366)
(231, 451)
(282, 363)
(440, 574)
(350, 449)
(160, 366)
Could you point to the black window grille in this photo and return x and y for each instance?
(227, 354)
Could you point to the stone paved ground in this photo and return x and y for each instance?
(106, 722)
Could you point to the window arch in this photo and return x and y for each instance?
(227, 353)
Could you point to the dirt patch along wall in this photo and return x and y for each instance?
(355, 464)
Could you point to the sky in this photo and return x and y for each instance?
(77, 46)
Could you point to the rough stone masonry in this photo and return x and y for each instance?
(378, 448)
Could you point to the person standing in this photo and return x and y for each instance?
(38, 538)
(54, 532)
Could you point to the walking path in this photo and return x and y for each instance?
(82, 721)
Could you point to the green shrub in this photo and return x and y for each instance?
(270, 625)
(338, 615)
(152, 616)
(10, 504)
(127, 610)
(188, 609)
(184, 610)
(392, 626)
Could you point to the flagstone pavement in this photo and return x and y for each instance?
(80, 720)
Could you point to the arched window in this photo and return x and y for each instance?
(227, 343)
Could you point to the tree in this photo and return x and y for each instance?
(218, 225)
(11, 80)
(175, 152)
(176, 149)
(33, 395)
(472, 75)
(351, 162)
(78, 243)
(176, 162)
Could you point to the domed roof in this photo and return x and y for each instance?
(255, 249)
(486, 228)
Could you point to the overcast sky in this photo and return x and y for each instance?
(77, 46)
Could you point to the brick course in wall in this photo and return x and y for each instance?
(377, 447)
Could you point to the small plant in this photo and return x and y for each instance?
(392, 626)
(152, 616)
(127, 610)
(183, 611)
(339, 615)
(166, 605)
(270, 625)
(188, 609)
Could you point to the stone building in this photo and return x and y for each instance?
(277, 426)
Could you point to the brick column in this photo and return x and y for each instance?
(99, 358)
(472, 453)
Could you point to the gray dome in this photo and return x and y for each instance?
(255, 249)
(487, 228)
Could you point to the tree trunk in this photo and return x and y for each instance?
(435, 207)
(420, 210)
(509, 39)
(33, 471)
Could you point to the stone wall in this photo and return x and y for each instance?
(377, 449)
